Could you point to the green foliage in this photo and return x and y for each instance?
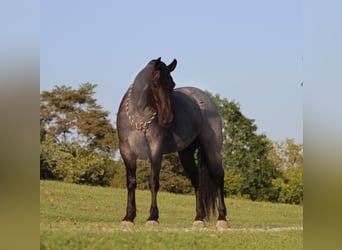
(288, 156)
(233, 182)
(74, 164)
(119, 178)
(173, 177)
(77, 141)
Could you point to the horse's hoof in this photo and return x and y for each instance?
(127, 225)
(221, 224)
(153, 224)
(198, 224)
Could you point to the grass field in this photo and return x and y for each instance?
(86, 217)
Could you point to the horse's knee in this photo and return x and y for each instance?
(154, 184)
(131, 183)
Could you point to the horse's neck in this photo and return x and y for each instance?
(140, 99)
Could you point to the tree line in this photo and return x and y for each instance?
(78, 144)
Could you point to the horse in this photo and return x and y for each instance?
(155, 118)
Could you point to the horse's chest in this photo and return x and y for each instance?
(139, 145)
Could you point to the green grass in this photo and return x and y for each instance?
(85, 217)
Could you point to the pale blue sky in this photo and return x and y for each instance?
(247, 51)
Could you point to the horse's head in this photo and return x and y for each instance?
(162, 88)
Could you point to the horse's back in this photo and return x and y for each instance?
(205, 103)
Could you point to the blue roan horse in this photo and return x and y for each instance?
(156, 119)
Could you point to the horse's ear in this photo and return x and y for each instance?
(172, 65)
(157, 64)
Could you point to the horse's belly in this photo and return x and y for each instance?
(178, 139)
(182, 142)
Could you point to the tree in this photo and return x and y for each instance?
(288, 157)
(77, 139)
(72, 116)
(245, 154)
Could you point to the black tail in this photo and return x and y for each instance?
(208, 190)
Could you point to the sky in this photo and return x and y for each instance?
(250, 52)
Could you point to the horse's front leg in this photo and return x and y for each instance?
(130, 164)
(154, 187)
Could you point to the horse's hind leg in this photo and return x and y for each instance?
(187, 159)
(222, 207)
(214, 158)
